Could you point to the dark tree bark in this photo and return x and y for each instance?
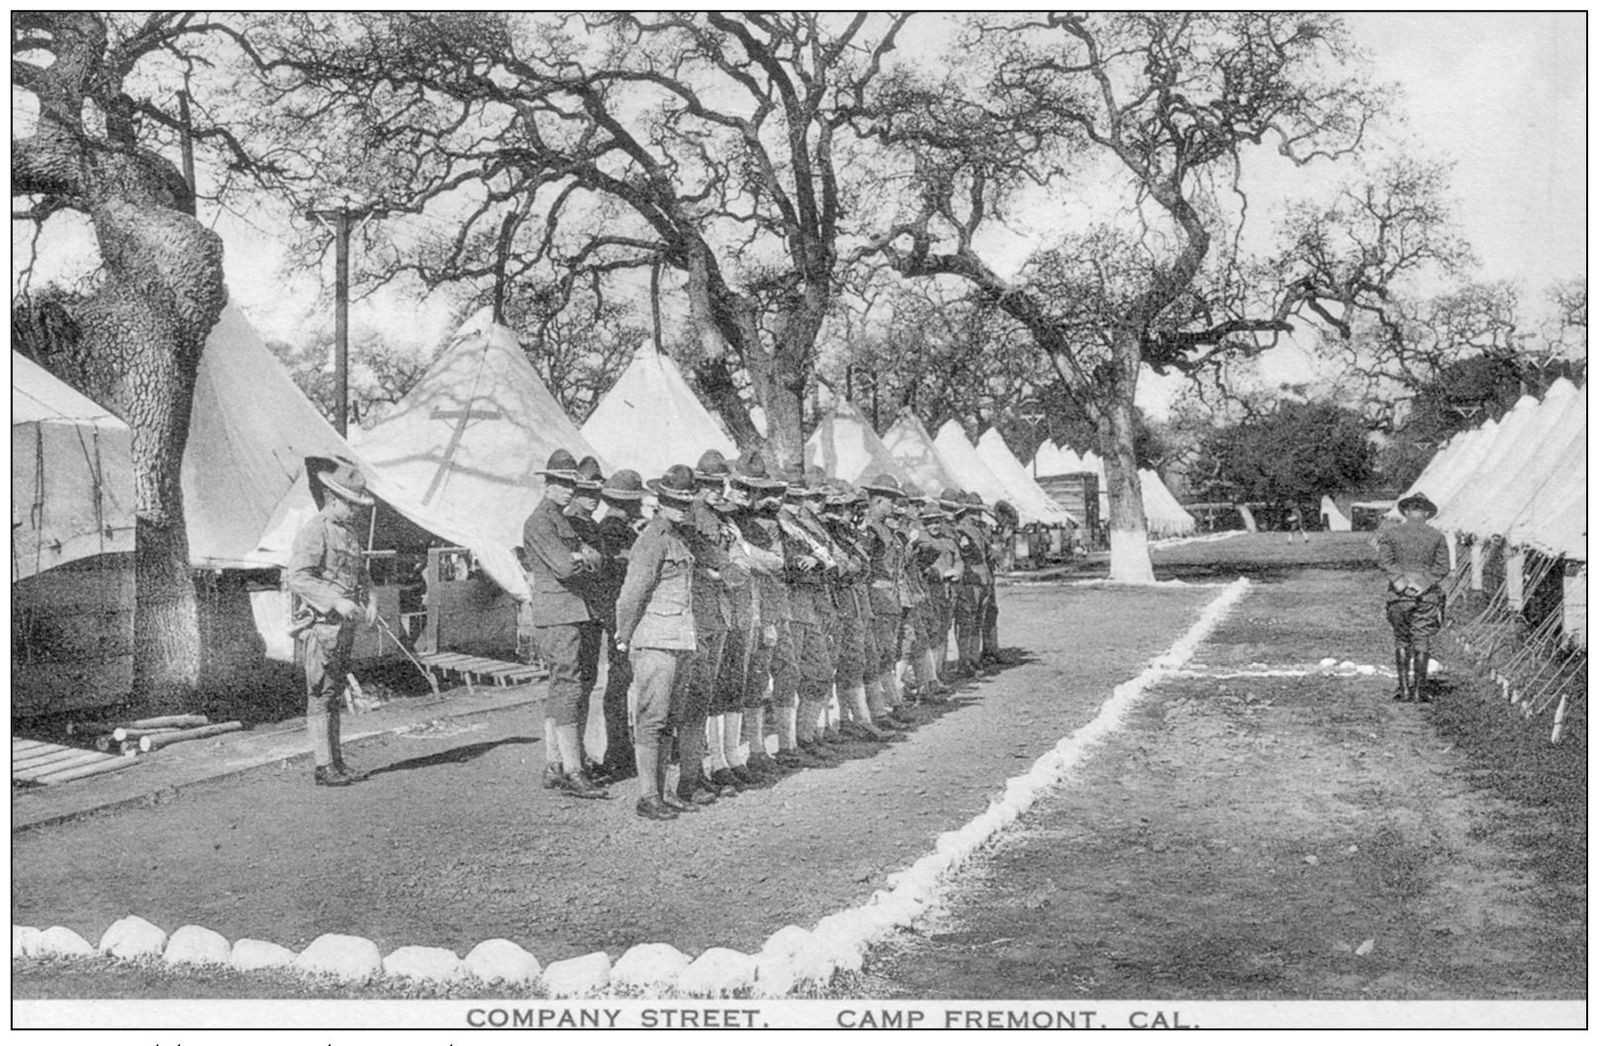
(140, 332)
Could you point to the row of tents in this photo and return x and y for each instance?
(1518, 483)
(453, 462)
(1166, 518)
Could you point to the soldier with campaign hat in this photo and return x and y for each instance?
(807, 559)
(1416, 560)
(969, 592)
(656, 628)
(581, 516)
(888, 595)
(751, 561)
(941, 562)
(771, 671)
(622, 522)
(709, 544)
(327, 574)
(559, 564)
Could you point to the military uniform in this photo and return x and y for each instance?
(941, 563)
(1416, 560)
(326, 564)
(969, 591)
(593, 589)
(617, 532)
(559, 609)
(811, 608)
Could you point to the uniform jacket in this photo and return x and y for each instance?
(617, 533)
(761, 532)
(655, 606)
(549, 542)
(973, 546)
(1415, 548)
(888, 589)
(325, 564)
(709, 544)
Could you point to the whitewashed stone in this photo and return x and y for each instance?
(718, 971)
(775, 978)
(787, 940)
(1327, 662)
(197, 946)
(24, 941)
(347, 959)
(579, 977)
(133, 938)
(437, 965)
(250, 954)
(648, 966)
(499, 961)
(58, 940)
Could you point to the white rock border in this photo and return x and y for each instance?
(793, 957)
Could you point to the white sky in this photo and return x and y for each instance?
(1500, 94)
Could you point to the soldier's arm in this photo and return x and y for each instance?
(1386, 556)
(1441, 561)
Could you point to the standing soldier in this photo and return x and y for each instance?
(943, 566)
(581, 516)
(656, 628)
(751, 561)
(709, 545)
(558, 564)
(1415, 557)
(888, 595)
(772, 657)
(328, 572)
(914, 643)
(617, 530)
(854, 643)
(990, 651)
(969, 593)
(807, 559)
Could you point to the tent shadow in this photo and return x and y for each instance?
(464, 754)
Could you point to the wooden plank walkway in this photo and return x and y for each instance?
(43, 763)
(471, 669)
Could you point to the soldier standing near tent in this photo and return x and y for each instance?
(969, 592)
(709, 545)
(807, 559)
(888, 594)
(581, 516)
(916, 626)
(656, 628)
(558, 567)
(752, 561)
(619, 527)
(328, 572)
(1415, 557)
(990, 521)
(943, 568)
(854, 642)
(771, 674)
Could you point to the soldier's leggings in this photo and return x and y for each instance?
(782, 668)
(729, 690)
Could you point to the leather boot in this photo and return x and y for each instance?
(1421, 676)
(1401, 656)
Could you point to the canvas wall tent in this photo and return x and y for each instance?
(1026, 495)
(246, 493)
(1052, 460)
(911, 446)
(464, 445)
(72, 547)
(971, 471)
(844, 445)
(1331, 516)
(651, 419)
(1165, 516)
(72, 480)
(1505, 452)
(1514, 482)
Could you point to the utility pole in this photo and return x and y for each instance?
(342, 218)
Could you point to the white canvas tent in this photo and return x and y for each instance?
(72, 480)
(1029, 498)
(911, 446)
(464, 445)
(971, 472)
(1166, 518)
(651, 419)
(844, 445)
(1503, 453)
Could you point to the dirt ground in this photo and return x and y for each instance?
(1240, 837)
(1254, 837)
(451, 841)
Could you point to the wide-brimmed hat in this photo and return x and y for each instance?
(954, 499)
(750, 472)
(930, 508)
(712, 467)
(589, 473)
(1419, 501)
(561, 466)
(678, 485)
(623, 485)
(885, 485)
(791, 477)
(817, 481)
(345, 481)
(840, 494)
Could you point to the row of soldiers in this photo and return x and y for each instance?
(736, 611)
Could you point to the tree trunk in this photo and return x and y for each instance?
(1129, 560)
